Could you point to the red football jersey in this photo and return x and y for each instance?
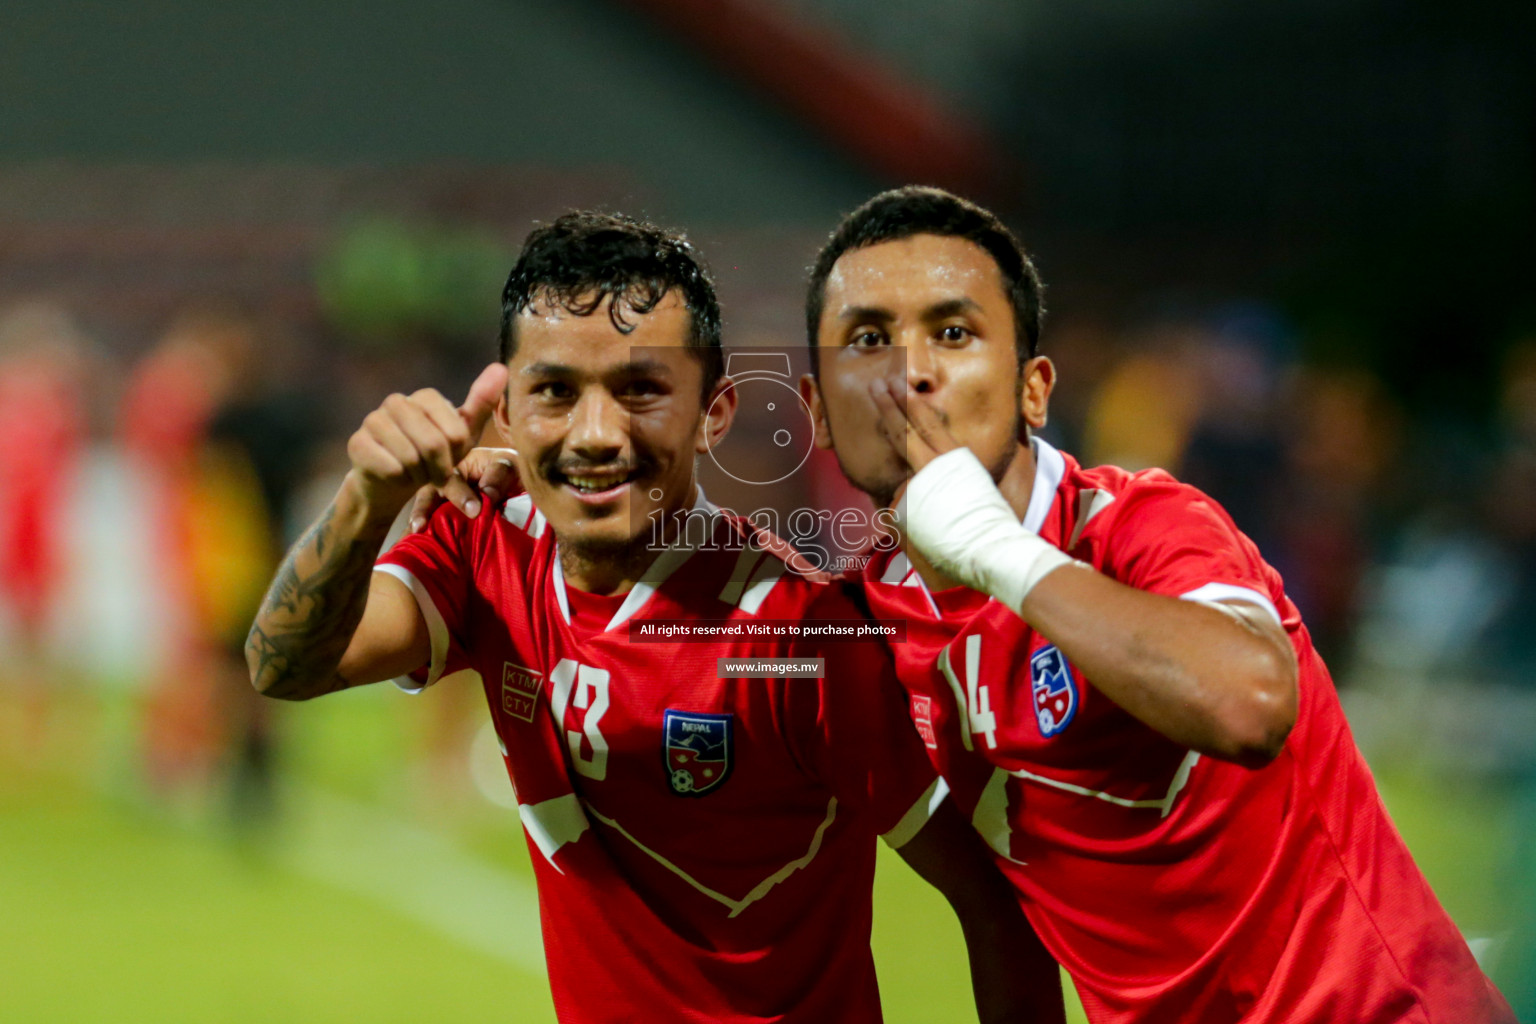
(1174, 887)
(41, 418)
(703, 846)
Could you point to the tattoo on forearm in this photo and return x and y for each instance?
(310, 613)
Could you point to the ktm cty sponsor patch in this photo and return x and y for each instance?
(922, 717)
(520, 690)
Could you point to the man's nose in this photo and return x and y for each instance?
(922, 369)
(599, 426)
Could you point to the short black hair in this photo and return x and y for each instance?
(921, 210)
(585, 256)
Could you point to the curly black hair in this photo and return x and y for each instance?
(583, 257)
(921, 210)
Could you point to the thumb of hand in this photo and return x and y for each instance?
(483, 395)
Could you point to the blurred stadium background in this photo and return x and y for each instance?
(1289, 247)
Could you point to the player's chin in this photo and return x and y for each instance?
(887, 487)
(608, 536)
(571, 514)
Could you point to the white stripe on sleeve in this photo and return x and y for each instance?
(1212, 593)
(437, 629)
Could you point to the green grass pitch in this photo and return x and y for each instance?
(116, 910)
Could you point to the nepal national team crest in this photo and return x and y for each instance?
(697, 748)
(1050, 679)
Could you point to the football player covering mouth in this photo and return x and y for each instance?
(1124, 701)
(703, 846)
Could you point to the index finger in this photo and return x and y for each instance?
(427, 499)
(484, 393)
(898, 429)
(926, 422)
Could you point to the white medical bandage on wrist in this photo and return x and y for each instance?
(958, 519)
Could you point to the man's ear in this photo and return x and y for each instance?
(719, 413)
(810, 394)
(1035, 397)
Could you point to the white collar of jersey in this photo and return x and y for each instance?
(663, 567)
(1050, 467)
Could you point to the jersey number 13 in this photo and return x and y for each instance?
(587, 688)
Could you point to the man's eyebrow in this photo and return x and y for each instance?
(951, 307)
(871, 313)
(548, 370)
(643, 366)
(630, 368)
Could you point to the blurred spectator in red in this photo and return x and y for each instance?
(212, 535)
(42, 421)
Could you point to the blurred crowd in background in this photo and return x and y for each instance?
(145, 496)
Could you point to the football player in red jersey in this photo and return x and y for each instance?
(703, 846)
(1118, 691)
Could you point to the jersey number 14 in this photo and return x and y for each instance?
(973, 700)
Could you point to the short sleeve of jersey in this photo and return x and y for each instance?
(435, 565)
(854, 732)
(1168, 538)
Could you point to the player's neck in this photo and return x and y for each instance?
(615, 568)
(1017, 485)
(1018, 481)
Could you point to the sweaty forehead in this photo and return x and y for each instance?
(915, 270)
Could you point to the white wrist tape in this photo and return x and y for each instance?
(955, 515)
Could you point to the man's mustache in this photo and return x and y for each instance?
(552, 467)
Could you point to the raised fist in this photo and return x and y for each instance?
(413, 440)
